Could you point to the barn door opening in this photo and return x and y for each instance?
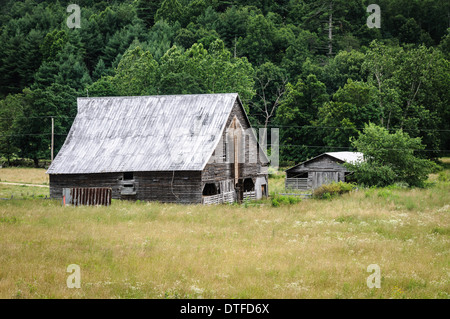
(263, 190)
(210, 189)
(249, 186)
(249, 189)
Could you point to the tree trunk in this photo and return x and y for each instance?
(330, 31)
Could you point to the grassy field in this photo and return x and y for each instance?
(312, 249)
(24, 175)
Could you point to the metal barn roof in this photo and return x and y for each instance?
(348, 157)
(145, 133)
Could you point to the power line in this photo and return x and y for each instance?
(349, 147)
(262, 126)
(344, 128)
(276, 145)
(37, 117)
(33, 134)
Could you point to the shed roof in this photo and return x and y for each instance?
(348, 157)
(144, 133)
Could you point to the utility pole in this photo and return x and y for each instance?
(53, 137)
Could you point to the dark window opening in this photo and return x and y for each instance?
(128, 185)
(210, 189)
(249, 186)
(348, 177)
(302, 175)
(127, 176)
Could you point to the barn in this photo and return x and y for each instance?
(322, 169)
(197, 148)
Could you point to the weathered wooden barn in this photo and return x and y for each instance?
(175, 148)
(322, 169)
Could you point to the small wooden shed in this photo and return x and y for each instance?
(323, 169)
(195, 148)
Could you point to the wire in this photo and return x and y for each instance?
(37, 117)
(348, 147)
(269, 126)
(275, 145)
(33, 134)
(342, 127)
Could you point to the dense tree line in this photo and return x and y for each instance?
(311, 68)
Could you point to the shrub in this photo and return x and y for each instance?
(442, 177)
(275, 202)
(389, 158)
(278, 200)
(326, 191)
(384, 192)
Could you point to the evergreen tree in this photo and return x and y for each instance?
(170, 11)
(146, 10)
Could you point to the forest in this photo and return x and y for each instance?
(313, 69)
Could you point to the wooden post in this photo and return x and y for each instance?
(53, 137)
(236, 160)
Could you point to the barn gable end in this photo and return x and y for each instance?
(251, 172)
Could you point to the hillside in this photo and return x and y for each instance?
(313, 69)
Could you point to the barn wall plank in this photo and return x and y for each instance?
(182, 187)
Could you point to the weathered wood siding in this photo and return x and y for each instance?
(58, 182)
(180, 187)
(297, 183)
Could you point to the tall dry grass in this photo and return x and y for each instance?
(313, 249)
